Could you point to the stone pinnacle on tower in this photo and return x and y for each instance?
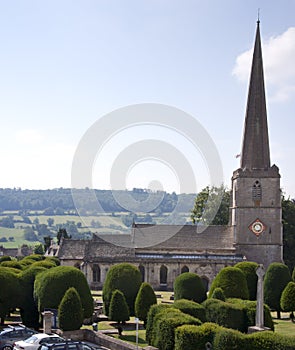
(255, 149)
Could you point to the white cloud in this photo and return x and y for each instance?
(279, 67)
(28, 136)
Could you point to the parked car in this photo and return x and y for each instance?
(36, 340)
(70, 345)
(11, 334)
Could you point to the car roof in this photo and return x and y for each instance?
(45, 335)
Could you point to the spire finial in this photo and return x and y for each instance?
(258, 16)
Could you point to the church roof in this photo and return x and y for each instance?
(255, 149)
(147, 238)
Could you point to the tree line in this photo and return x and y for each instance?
(61, 200)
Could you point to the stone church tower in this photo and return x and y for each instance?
(256, 212)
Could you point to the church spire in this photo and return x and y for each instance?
(255, 151)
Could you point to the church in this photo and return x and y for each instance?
(254, 232)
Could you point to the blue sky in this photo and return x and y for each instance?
(65, 64)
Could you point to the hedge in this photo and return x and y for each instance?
(191, 337)
(249, 269)
(154, 310)
(191, 308)
(165, 324)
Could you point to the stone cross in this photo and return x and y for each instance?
(260, 297)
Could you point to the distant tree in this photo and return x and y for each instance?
(61, 233)
(79, 224)
(26, 219)
(127, 279)
(189, 286)
(70, 311)
(48, 211)
(30, 235)
(7, 222)
(249, 269)
(43, 230)
(203, 209)
(36, 221)
(145, 298)
(11, 239)
(275, 280)
(3, 239)
(287, 301)
(50, 222)
(233, 283)
(47, 243)
(38, 249)
(118, 310)
(59, 211)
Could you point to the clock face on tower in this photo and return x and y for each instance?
(257, 227)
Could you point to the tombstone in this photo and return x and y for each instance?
(47, 321)
(259, 319)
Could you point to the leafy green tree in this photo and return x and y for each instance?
(30, 235)
(275, 280)
(70, 312)
(51, 285)
(38, 249)
(288, 299)
(189, 286)
(118, 311)
(50, 222)
(145, 298)
(288, 220)
(209, 201)
(233, 283)
(127, 279)
(249, 269)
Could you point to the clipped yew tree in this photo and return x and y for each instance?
(70, 312)
(233, 283)
(218, 294)
(145, 298)
(126, 278)
(51, 285)
(9, 291)
(276, 278)
(28, 308)
(189, 286)
(249, 269)
(288, 298)
(118, 311)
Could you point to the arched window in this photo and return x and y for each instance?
(163, 274)
(95, 273)
(256, 193)
(142, 272)
(205, 282)
(184, 269)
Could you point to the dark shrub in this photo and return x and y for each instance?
(218, 294)
(145, 298)
(269, 341)
(191, 308)
(70, 312)
(189, 286)
(118, 311)
(127, 279)
(249, 269)
(233, 283)
(288, 297)
(275, 280)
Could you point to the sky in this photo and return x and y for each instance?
(70, 69)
